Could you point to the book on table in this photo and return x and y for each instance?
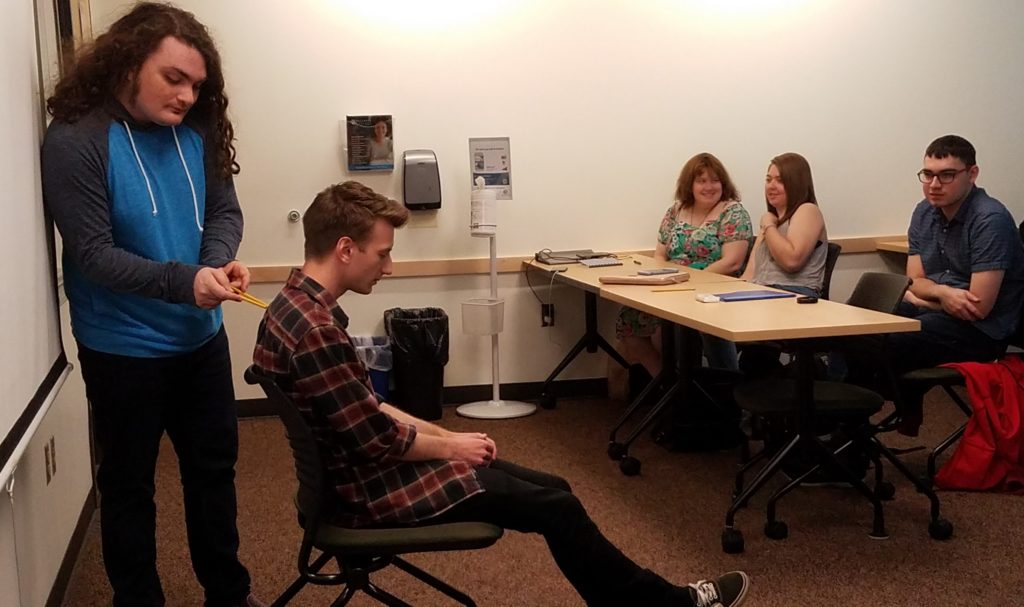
(752, 295)
(636, 279)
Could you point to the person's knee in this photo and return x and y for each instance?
(557, 482)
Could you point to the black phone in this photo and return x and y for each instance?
(806, 299)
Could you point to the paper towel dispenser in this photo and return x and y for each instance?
(421, 187)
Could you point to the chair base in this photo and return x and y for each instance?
(356, 578)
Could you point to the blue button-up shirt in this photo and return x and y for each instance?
(982, 236)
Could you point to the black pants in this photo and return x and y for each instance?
(191, 397)
(942, 339)
(534, 502)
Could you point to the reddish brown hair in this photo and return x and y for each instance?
(347, 209)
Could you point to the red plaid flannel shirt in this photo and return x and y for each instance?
(303, 344)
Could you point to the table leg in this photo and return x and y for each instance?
(591, 341)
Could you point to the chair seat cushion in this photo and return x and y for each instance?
(935, 376)
(779, 397)
(403, 540)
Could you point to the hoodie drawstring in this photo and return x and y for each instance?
(149, 188)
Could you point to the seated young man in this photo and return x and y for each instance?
(966, 261)
(391, 468)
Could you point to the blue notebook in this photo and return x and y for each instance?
(750, 295)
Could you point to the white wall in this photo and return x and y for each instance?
(603, 102)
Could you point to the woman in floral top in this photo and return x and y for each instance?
(706, 229)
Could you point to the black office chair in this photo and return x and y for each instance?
(831, 258)
(848, 406)
(357, 552)
(950, 380)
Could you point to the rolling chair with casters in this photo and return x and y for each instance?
(948, 380)
(780, 399)
(680, 380)
(357, 552)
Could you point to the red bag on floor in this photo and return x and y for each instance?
(990, 456)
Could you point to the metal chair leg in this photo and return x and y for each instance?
(441, 586)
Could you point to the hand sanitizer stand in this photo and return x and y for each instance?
(485, 316)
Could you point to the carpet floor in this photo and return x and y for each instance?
(668, 519)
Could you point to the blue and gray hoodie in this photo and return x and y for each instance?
(140, 209)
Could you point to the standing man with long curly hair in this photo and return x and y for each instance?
(137, 174)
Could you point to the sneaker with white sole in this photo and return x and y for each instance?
(729, 590)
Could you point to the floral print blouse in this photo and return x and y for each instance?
(700, 246)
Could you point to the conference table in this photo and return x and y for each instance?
(587, 280)
(784, 319)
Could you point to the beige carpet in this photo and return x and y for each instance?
(668, 519)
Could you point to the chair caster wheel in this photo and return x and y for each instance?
(776, 530)
(546, 401)
(616, 451)
(940, 529)
(630, 466)
(732, 541)
(885, 491)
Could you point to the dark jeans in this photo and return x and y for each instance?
(191, 397)
(942, 339)
(534, 502)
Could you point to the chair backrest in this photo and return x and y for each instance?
(831, 257)
(309, 467)
(879, 291)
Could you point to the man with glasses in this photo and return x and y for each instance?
(966, 261)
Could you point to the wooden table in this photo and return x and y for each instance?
(588, 280)
(745, 321)
(895, 246)
(758, 320)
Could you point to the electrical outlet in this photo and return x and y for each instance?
(547, 314)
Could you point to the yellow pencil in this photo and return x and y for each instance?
(667, 289)
(249, 298)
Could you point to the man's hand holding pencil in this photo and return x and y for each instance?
(212, 286)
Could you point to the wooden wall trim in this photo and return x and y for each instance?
(506, 265)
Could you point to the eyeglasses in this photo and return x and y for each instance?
(945, 177)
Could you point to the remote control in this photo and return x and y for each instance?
(656, 271)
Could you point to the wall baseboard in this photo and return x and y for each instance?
(67, 564)
(457, 395)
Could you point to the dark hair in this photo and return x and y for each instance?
(346, 209)
(694, 168)
(952, 145)
(795, 173)
(104, 67)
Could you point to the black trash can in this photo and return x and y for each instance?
(419, 348)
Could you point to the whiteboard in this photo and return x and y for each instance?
(31, 356)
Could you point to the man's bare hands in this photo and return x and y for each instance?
(960, 303)
(474, 448)
(927, 304)
(212, 286)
